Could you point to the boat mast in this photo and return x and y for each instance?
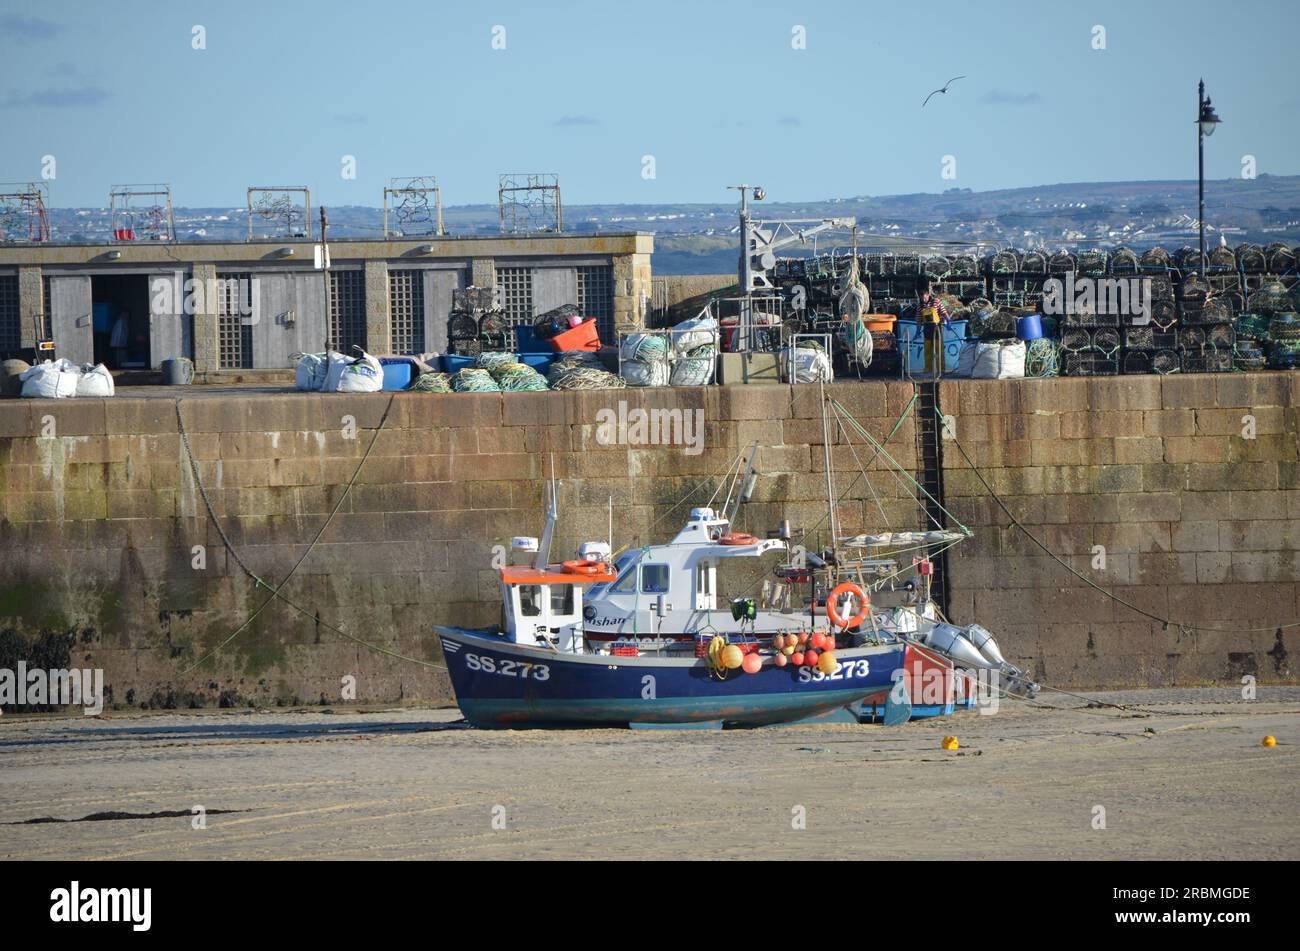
(552, 512)
(830, 476)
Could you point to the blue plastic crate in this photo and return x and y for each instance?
(399, 372)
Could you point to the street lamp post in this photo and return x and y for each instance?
(1206, 120)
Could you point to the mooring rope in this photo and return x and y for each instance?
(276, 590)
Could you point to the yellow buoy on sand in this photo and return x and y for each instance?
(949, 743)
(1269, 741)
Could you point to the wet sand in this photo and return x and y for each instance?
(1185, 778)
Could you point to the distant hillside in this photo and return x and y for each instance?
(701, 238)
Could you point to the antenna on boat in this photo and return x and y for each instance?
(552, 513)
(741, 486)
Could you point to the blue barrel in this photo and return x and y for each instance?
(1029, 327)
(177, 371)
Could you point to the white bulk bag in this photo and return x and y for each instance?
(642, 373)
(694, 333)
(94, 381)
(966, 358)
(311, 371)
(808, 365)
(362, 375)
(999, 360)
(51, 380)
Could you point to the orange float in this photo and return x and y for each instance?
(738, 538)
(584, 568)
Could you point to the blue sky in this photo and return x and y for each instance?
(714, 91)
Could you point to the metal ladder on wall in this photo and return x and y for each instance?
(929, 455)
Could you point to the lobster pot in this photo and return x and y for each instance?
(1223, 259)
(1212, 312)
(1271, 298)
(1250, 258)
(696, 368)
(1193, 289)
(1164, 313)
(1149, 337)
(1162, 288)
(1004, 262)
(1279, 257)
(1191, 338)
(1076, 340)
(935, 265)
(1252, 326)
(1089, 363)
(1154, 259)
(1220, 337)
(1165, 361)
(1034, 262)
(1189, 259)
(1123, 261)
(1136, 362)
(1106, 341)
(1207, 361)
(1284, 354)
(964, 265)
(1093, 262)
(1062, 262)
(1249, 357)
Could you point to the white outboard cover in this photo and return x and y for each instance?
(952, 641)
(594, 552)
(987, 646)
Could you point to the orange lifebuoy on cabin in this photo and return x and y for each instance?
(737, 538)
(583, 567)
(832, 604)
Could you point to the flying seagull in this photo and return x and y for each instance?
(937, 91)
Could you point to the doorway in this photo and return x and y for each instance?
(120, 320)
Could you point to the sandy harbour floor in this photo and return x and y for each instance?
(1183, 777)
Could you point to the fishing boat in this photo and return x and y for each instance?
(644, 639)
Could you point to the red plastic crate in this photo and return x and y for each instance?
(581, 337)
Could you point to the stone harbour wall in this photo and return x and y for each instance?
(110, 560)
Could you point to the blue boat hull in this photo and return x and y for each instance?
(499, 684)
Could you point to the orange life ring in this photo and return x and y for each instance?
(737, 538)
(583, 567)
(832, 604)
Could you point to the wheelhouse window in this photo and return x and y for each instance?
(530, 600)
(626, 583)
(561, 600)
(654, 579)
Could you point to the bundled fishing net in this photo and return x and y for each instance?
(518, 378)
(472, 380)
(432, 383)
(695, 368)
(1042, 358)
(645, 360)
(585, 378)
(981, 313)
(573, 360)
(492, 358)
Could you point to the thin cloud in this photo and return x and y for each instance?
(30, 28)
(790, 121)
(569, 122)
(1000, 97)
(71, 97)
